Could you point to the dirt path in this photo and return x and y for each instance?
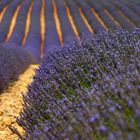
(10, 103)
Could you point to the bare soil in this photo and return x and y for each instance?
(11, 103)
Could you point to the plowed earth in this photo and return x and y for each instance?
(11, 103)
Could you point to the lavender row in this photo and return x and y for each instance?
(33, 42)
(128, 12)
(133, 7)
(117, 15)
(19, 29)
(95, 24)
(99, 113)
(6, 21)
(136, 2)
(51, 36)
(3, 4)
(100, 11)
(67, 31)
(80, 25)
(84, 91)
(13, 61)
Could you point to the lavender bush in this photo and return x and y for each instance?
(51, 36)
(13, 61)
(88, 90)
(3, 4)
(67, 31)
(33, 42)
(136, 2)
(117, 15)
(95, 24)
(6, 21)
(18, 33)
(128, 12)
(100, 11)
(80, 25)
(133, 7)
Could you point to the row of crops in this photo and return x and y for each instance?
(87, 90)
(98, 15)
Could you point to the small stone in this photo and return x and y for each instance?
(1, 113)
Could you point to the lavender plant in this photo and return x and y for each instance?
(133, 7)
(67, 31)
(128, 12)
(33, 42)
(80, 25)
(3, 4)
(51, 36)
(18, 33)
(13, 61)
(100, 11)
(95, 24)
(117, 15)
(135, 2)
(88, 90)
(6, 21)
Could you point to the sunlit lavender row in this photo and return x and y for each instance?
(87, 16)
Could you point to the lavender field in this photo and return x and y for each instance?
(87, 85)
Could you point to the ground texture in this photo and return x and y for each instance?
(11, 103)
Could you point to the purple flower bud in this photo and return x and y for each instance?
(130, 103)
(112, 109)
(102, 129)
(138, 113)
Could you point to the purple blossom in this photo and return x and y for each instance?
(13, 61)
(88, 89)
